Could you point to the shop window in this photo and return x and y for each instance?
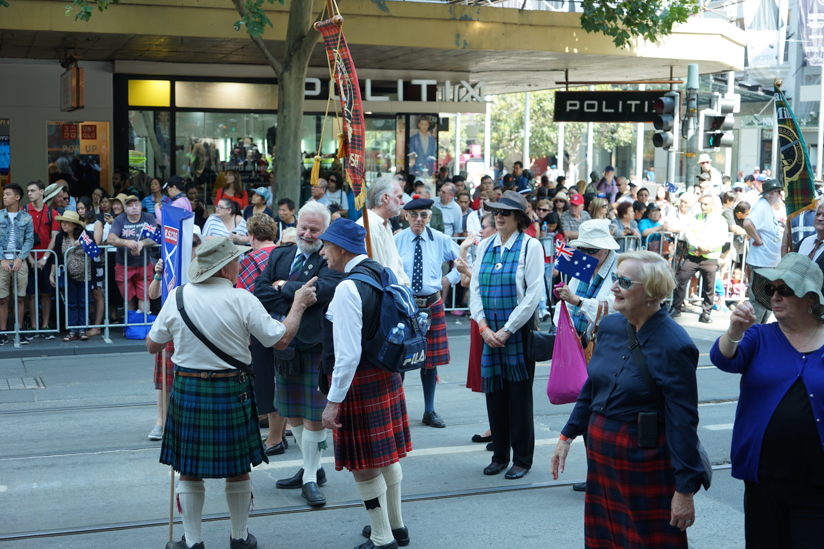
(78, 152)
(5, 152)
(380, 147)
(150, 93)
(149, 145)
(220, 95)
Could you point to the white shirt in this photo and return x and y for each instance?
(529, 280)
(807, 246)
(224, 314)
(589, 307)
(473, 222)
(347, 307)
(339, 197)
(12, 244)
(383, 246)
(769, 224)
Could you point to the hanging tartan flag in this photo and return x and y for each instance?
(89, 246)
(350, 98)
(150, 232)
(795, 172)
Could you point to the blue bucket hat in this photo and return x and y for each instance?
(347, 234)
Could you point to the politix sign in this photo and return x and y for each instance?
(606, 106)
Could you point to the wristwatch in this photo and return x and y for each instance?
(279, 284)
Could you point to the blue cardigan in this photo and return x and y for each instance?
(769, 366)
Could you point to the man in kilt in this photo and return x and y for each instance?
(422, 252)
(365, 404)
(212, 426)
(297, 368)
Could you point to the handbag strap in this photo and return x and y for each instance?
(635, 347)
(602, 308)
(232, 361)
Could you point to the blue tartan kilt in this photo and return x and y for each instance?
(299, 396)
(437, 344)
(629, 489)
(211, 430)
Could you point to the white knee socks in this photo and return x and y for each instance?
(191, 494)
(313, 441)
(373, 494)
(239, 499)
(297, 432)
(393, 476)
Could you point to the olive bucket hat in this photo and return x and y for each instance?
(797, 271)
(211, 256)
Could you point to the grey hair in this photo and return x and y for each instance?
(381, 186)
(316, 208)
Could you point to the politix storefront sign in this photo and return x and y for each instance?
(606, 106)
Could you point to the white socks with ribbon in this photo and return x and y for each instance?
(297, 432)
(312, 447)
(239, 499)
(373, 494)
(191, 494)
(393, 475)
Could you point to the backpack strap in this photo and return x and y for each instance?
(212, 347)
(360, 277)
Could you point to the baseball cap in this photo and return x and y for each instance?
(609, 169)
(129, 199)
(704, 176)
(739, 185)
(576, 199)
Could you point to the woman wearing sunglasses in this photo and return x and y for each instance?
(778, 436)
(643, 460)
(507, 278)
(560, 203)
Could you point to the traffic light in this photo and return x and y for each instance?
(668, 108)
(716, 123)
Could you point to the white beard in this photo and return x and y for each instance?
(308, 249)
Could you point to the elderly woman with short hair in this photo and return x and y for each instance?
(643, 459)
(778, 438)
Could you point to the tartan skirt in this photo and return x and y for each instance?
(299, 396)
(629, 489)
(476, 349)
(374, 429)
(437, 344)
(170, 368)
(211, 430)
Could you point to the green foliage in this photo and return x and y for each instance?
(255, 19)
(629, 19)
(4, 4)
(84, 8)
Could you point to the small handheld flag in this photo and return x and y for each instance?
(670, 187)
(576, 264)
(89, 246)
(150, 232)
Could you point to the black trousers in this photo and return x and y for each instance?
(263, 364)
(707, 268)
(510, 419)
(781, 514)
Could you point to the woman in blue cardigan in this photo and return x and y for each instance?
(778, 437)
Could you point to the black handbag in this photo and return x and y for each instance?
(539, 345)
(635, 347)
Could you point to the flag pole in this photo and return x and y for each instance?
(172, 483)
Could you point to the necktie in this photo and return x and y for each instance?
(297, 266)
(815, 249)
(417, 268)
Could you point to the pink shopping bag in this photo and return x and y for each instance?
(568, 371)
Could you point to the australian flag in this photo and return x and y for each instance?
(150, 232)
(89, 246)
(576, 264)
(670, 187)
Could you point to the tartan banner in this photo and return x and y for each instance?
(795, 171)
(350, 98)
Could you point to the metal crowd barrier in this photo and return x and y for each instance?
(13, 297)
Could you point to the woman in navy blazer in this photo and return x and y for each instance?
(778, 436)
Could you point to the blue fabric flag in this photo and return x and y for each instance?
(89, 246)
(670, 187)
(576, 264)
(150, 232)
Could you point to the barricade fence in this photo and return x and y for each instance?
(33, 270)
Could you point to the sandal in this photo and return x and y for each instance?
(70, 337)
(83, 336)
(93, 332)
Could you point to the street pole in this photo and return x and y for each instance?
(778, 49)
(820, 147)
(527, 130)
(560, 165)
(457, 169)
(488, 136)
(672, 155)
(692, 140)
(639, 146)
(590, 139)
(728, 150)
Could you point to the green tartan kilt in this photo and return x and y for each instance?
(212, 430)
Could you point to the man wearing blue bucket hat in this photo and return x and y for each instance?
(366, 407)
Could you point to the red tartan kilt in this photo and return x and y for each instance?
(170, 368)
(629, 489)
(437, 344)
(375, 431)
(476, 349)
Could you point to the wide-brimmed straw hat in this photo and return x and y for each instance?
(51, 192)
(561, 195)
(211, 256)
(595, 233)
(71, 217)
(798, 271)
(510, 200)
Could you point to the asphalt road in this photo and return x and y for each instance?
(77, 469)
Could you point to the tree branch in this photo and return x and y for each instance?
(240, 6)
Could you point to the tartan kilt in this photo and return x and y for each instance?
(209, 432)
(299, 396)
(437, 344)
(629, 489)
(170, 368)
(374, 430)
(476, 349)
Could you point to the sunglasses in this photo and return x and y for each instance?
(783, 290)
(560, 201)
(544, 210)
(505, 213)
(738, 190)
(588, 251)
(624, 282)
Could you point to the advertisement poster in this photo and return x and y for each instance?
(423, 145)
(5, 152)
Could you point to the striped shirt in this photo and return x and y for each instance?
(215, 227)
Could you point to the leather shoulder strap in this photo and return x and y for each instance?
(232, 361)
(602, 309)
(635, 347)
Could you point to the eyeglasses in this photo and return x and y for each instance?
(783, 290)
(588, 251)
(738, 190)
(505, 213)
(195, 243)
(222, 208)
(624, 282)
(416, 215)
(544, 210)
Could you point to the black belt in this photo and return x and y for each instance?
(427, 300)
(212, 374)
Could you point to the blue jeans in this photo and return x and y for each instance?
(542, 306)
(76, 298)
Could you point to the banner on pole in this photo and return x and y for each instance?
(811, 28)
(176, 242)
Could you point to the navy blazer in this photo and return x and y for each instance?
(278, 302)
(616, 390)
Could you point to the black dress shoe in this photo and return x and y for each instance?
(312, 494)
(705, 318)
(494, 468)
(674, 313)
(514, 472)
(479, 438)
(580, 487)
(296, 481)
(370, 545)
(275, 450)
(182, 544)
(490, 448)
(249, 543)
(401, 535)
(288, 433)
(433, 420)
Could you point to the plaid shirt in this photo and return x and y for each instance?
(251, 266)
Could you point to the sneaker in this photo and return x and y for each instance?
(24, 341)
(3, 339)
(47, 336)
(28, 335)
